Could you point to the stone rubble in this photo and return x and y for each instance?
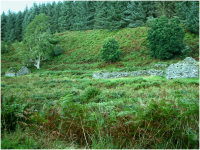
(188, 68)
(23, 71)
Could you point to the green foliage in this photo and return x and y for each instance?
(3, 47)
(166, 38)
(150, 21)
(167, 112)
(135, 14)
(10, 106)
(37, 46)
(192, 19)
(58, 50)
(110, 50)
(89, 93)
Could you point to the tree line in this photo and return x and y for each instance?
(88, 15)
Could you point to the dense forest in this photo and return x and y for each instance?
(89, 15)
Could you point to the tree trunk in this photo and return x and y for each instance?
(37, 63)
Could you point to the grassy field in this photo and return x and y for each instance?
(61, 106)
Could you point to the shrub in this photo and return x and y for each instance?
(166, 38)
(90, 92)
(110, 50)
(58, 50)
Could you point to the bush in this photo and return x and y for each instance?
(90, 92)
(110, 50)
(166, 38)
(58, 50)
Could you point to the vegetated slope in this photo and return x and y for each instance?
(81, 51)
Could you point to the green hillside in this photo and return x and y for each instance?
(81, 51)
(60, 106)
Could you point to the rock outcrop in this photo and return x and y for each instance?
(187, 68)
(23, 71)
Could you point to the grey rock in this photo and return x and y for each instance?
(23, 71)
(107, 75)
(160, 66)
(11, 72)
(185, 69)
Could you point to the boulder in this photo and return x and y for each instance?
(23, 71)
(185, 69)
(11, 72)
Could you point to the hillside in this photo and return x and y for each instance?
(81, 51)
(60, 106)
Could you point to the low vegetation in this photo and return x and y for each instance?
(60, 106)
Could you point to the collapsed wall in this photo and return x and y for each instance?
(106, 75)
(188, 68)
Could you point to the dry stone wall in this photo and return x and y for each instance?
(106, 75)
(188, 68)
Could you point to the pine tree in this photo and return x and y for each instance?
(90, 11)
(3, 26)
(100, 15)
(149, 7)
(135, 14)
(64, 21)
(166, 8)
(56, 14)
(192, 18)
(9, 25)
(115, 19)
(42, 8)
(50, 13)
(18, 26)
(27, 20)
(12, 37)
(24, 25)
(80, 16)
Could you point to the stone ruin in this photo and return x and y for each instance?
(23, 71)
(11, 72)
(188, 68)
(106, 75)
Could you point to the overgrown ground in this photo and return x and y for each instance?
(61, 106)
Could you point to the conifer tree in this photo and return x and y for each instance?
(64, 21)
(12, 37)
(166, 8)
(18, 26)
(9, 25)
(100, 15)
(192, 18)
(135, 14)
(115, 19)
(3, 26)
(42, 8)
